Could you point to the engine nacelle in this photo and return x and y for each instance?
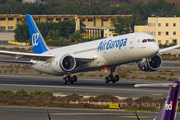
(65, 63)
(152, 65)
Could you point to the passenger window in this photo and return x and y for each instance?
(144, 41)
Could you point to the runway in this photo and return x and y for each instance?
(25, 113)
(87, 86)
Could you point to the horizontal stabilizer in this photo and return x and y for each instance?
(157, 85)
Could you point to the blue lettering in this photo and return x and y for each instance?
(125, 40)
(104, 47)
(116, 44)
(112, 44)
(121, 43)
(107, 45)
(100, 46)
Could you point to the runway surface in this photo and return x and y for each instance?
(87, 86)
(23, 113)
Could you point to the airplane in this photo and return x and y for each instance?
(168, 111)
(95, 55)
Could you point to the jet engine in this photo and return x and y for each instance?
(64, 63)
(151, 64)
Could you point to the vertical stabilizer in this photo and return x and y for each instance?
(38, 43)
(168, 111)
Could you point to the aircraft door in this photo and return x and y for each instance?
(133, 51)
(131, 44)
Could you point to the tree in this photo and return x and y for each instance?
(122, 25)
(137, 20)
(21, 31)
(3, 1)
(76, 36)
(11, 3)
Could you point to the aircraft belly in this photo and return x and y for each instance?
(44, 67)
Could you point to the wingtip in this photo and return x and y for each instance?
(136, 85)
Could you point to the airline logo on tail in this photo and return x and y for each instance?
(35, 41)
(168, 106)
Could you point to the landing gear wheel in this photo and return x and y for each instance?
(110, 77)
(117, 77)
(68, 78)
(106, 80)
(71, 81)
(64, 80)
(114, 80)
(74, 78)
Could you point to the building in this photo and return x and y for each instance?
(34, 1)
(99, 25)
(164, 29)
(28, 1)
(96, 25)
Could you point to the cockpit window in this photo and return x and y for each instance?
(151, 40)
(144, 41)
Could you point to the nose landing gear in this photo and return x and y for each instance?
(111, 77)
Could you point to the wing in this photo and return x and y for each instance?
(17, 61)
(42, 57)
(157, 85)
(18, 55)
(169, 48)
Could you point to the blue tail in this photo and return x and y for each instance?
(38, 43)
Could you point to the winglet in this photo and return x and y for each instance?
(38, 43)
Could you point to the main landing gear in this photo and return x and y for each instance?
(69, 79)
(111, 77)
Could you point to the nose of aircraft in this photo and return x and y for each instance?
(154, 48)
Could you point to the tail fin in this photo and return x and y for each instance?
(168, 111)
(38, 43)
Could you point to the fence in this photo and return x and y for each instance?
(158, 105)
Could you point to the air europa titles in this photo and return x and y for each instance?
(112, 44)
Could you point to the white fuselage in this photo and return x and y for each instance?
(112, 51)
